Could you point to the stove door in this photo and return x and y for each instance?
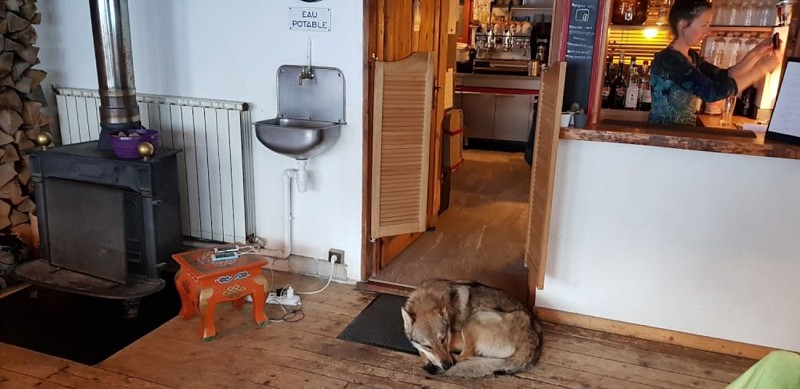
(86, 228)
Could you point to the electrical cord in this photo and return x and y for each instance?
(247, 249)
(289, 316)
(330, 277)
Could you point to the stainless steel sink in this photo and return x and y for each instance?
(310, 115)
(297, 138)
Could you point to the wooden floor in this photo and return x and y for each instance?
(307, 354)
(481, 236)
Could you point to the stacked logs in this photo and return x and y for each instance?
(21, 115)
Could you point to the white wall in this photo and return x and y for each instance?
(231, 51)
(692, 241)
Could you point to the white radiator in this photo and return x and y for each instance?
(215, 169)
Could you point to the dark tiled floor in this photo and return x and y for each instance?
(80, 328)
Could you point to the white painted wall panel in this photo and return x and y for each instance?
(201, 49)
(704, 243)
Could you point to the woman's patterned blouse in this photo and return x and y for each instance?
(676, 83)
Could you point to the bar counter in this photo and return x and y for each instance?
(675, 238)
(718, 140)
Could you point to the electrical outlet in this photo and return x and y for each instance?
(339, 255)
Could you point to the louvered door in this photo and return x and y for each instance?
(401, 144)
(543, 173)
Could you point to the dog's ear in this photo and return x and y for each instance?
(457, 307)
(408, 318)
(455, 295)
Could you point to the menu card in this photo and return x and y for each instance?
(784, 125)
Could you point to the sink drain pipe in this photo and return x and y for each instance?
(300, 175)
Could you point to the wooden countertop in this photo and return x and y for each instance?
(716, 140)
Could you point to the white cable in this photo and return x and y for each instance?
(285, 312)
(247, 249)
(330, 277)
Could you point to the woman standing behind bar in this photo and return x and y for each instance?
(678, 76)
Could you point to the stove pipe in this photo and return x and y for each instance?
(112, 51)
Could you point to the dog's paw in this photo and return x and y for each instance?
(432, 369)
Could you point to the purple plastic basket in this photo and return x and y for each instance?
(127, 146)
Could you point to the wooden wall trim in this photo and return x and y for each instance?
(466, 19)
(371, 47)
(441, 23)
(558, 34)
(384, 287)
(700, 342)
(598, 60)
(598, 67)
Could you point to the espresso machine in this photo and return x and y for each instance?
(509, 47)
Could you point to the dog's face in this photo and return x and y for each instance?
(428, 329)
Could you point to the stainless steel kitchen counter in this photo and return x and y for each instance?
(497, 107)
(497, 81)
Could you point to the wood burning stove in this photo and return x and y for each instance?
(107, 225)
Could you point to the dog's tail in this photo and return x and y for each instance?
(477, 367)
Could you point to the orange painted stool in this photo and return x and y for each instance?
(202, 283)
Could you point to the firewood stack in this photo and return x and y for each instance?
(21, 115)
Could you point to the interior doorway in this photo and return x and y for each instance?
(400, 208)
(481, 236)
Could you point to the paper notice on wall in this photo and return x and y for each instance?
(310, 19)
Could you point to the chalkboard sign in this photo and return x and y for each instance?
(580, 51)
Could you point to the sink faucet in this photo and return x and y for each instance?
(306, 73)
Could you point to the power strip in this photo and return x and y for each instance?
(283, 300)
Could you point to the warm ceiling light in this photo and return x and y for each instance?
(650, 32)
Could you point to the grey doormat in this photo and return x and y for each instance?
(380, 324)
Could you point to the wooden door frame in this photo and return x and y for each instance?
(369, 249)
(372, 249)
(441, 24)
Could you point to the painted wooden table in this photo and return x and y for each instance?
(203, 283)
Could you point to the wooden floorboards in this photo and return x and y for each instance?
(307, 354)
(481, 236)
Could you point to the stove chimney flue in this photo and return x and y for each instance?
(112, 49)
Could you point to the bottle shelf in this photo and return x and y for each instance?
(638, 27)
(530, 8)
(743, 28)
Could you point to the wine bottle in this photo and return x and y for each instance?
(748, 102)
(606, 100)
(632, 93)
(645, 97)
(619, 86)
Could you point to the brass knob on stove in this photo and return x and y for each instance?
(43, 139)
(146, 150)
